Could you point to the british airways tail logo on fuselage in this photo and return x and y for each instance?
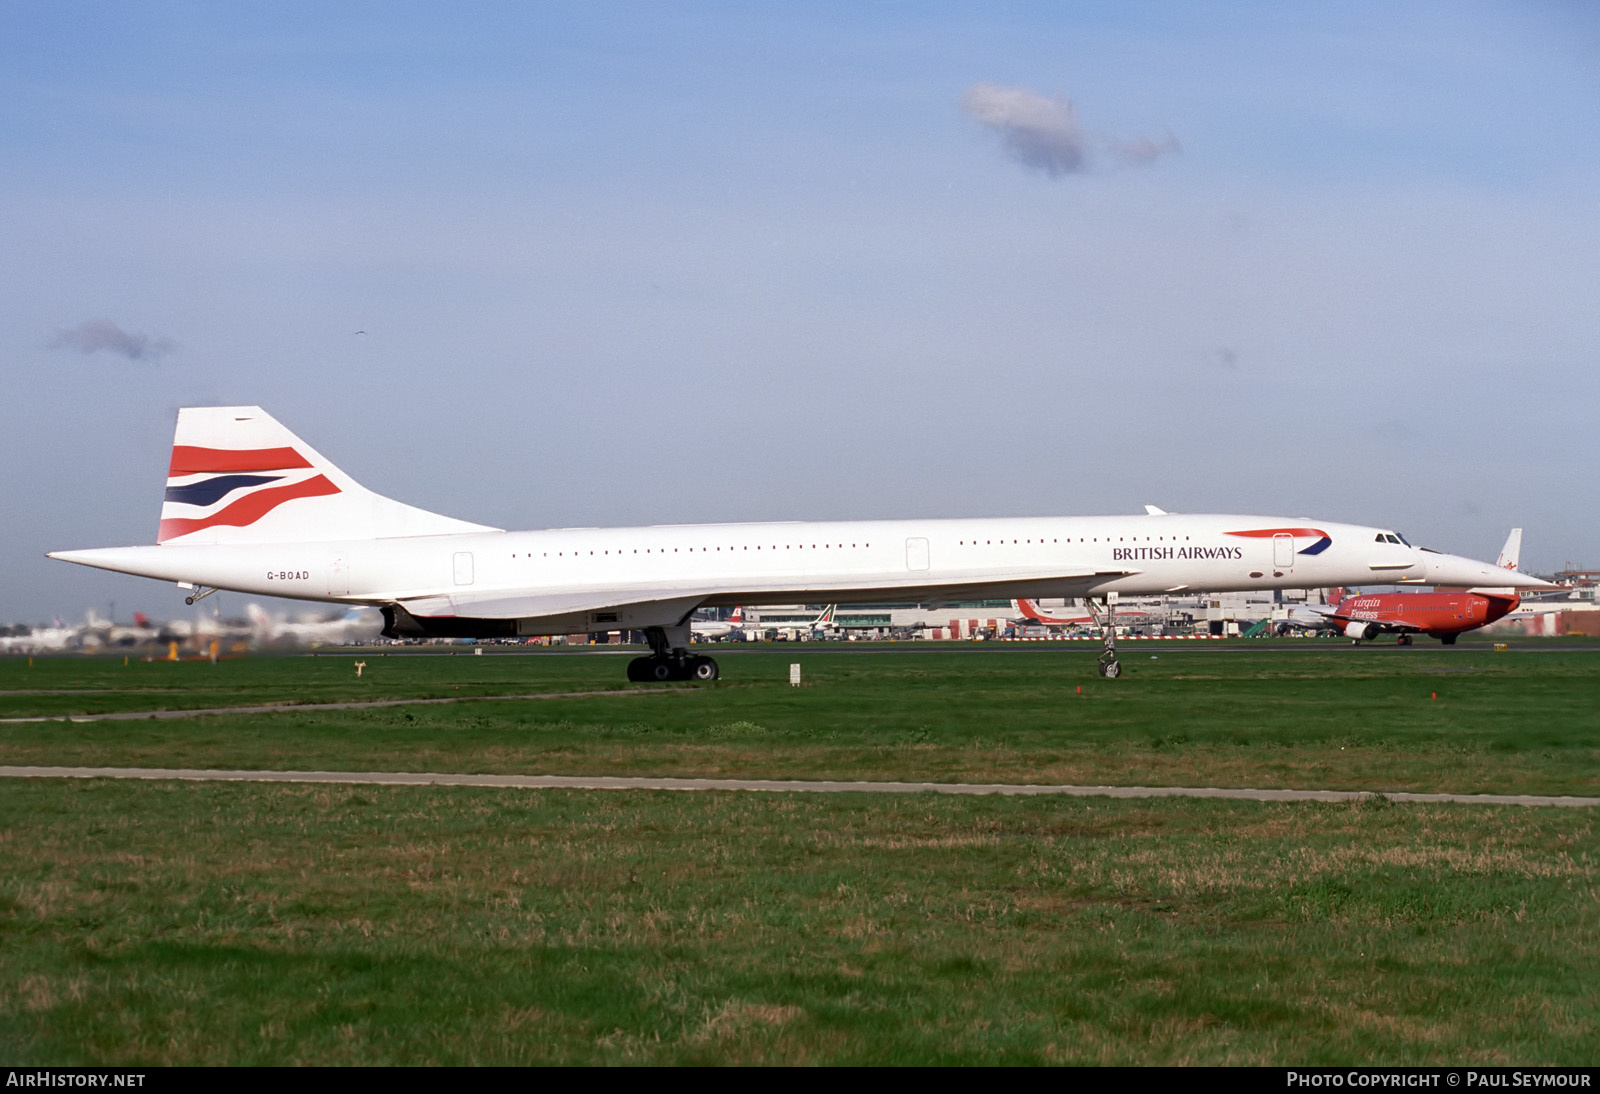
(215, 487)
(1323, 540)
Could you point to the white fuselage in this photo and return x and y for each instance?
(551, 581)
(249, 506)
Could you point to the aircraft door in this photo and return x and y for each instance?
(463, 567)
(916, 553)
(1283, 552)
(339, 577)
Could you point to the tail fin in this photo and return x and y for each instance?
(238, 476)
(738, 616)
(1029, 610)
(1512, 551)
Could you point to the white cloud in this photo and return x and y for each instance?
(1043, 133)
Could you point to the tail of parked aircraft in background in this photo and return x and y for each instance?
(1034, 615)
(238, 476)
(1512, 551)
(1510, 555)
(1029, 610)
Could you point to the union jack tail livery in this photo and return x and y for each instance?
(238, 476)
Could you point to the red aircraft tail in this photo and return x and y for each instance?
(1029, 610)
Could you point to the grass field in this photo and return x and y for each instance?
(1463, 720)
(205, 923)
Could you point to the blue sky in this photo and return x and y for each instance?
(641, 263)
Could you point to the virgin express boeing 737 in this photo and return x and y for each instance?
(251, 507)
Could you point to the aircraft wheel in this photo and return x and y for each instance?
(661, 670)
(1110, 669)
(703, 669)
(1405, 640)
(1448, 639)
(639, 670)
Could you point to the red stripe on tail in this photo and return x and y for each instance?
(248, 509)
(189, 460)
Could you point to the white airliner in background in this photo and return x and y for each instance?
(356, 624)
(251, 507)
(711, 629)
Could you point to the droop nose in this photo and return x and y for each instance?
(1441, 569)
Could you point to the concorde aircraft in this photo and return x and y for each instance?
(251, 507)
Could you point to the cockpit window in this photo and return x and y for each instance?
(1403, 539)
(1378, 538)
(1392, 538)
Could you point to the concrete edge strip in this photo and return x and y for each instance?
(617, 782)
(354, 704)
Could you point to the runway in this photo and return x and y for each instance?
(781, 786)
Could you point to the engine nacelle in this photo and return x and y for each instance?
(399, 623)
(1360, 631)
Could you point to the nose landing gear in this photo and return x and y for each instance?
(1110, 667)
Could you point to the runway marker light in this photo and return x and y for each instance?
(359, 666)
(1433, 695)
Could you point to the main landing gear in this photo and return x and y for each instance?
(1110, 667)
(670, 659)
